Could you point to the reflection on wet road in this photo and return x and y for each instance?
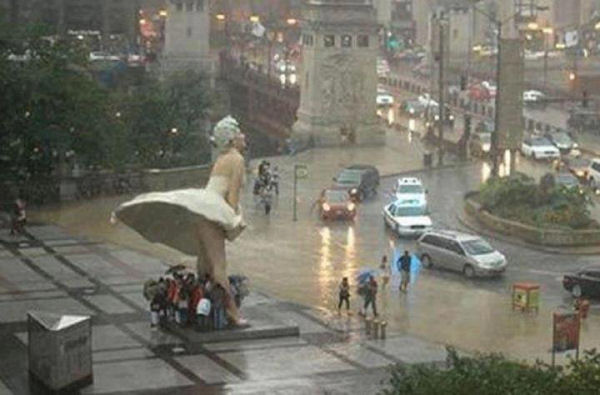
(304, 262)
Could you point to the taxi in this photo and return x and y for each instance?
(407, 217)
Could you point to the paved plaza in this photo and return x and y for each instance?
(50, 270)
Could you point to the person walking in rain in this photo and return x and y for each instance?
(385, 272)
(371, 296)
(405, 261)
(344, 294)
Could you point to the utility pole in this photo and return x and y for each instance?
(441, 107)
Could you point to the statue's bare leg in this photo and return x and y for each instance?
(211, 237)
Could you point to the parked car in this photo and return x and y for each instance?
(359, 180)
(407, 217)
(539, 148)
(412, 108)
(480, 144)
(566, 180)
(384, 98)
(485, 127)
(585, 282)
(410, 56)
(491, 88)
(336, 204)
(534, 98)
(100, 55)
(593, 172)
(461, 252)
(478, 92)
(432, 116)
(426, 100)
(562, 141)
(576, 165)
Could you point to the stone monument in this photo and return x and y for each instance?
(187, 35)
(339, 75)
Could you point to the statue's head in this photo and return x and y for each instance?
(227, 134)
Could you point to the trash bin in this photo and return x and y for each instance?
(427, 159)
(60, 350)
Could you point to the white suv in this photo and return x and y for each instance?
(411, 188)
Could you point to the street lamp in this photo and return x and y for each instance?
(495, 135)
(254, 18)
(220, 17)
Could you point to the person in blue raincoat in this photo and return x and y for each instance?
(405, 263)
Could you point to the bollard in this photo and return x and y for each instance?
(376, 329)
(368, 325)
(383, 326)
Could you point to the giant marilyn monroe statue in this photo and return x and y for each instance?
(197, 221)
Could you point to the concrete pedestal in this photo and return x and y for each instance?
(60, 351)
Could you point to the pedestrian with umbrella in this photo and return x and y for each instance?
(363, 280)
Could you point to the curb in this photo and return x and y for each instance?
(455, 165)
(469, 224)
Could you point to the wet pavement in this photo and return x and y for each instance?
(52, 271)
(303, 261)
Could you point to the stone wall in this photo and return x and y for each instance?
(528, 233)
(181, 177)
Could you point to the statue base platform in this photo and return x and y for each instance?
(261, 313)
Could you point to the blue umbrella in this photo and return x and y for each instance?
(365, 273)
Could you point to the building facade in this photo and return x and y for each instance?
(339, 81)
(187, 36)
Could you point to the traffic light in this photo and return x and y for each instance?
(584, 99)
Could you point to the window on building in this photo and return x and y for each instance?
(179, 6)
(307, 40)
(329, 40)
(363, 41)
(454, 34)
(189, 6)
(189, 31)
(346, 41)
(200, 5)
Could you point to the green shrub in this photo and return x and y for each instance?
(491, 374)
(544, 205)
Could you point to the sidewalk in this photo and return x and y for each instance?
(55, 272)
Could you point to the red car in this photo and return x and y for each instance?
(479, 92)
(336, 204)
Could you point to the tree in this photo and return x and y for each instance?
(50, 107)
(164, 119)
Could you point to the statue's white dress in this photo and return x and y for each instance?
(171, 218)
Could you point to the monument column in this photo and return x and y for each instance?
(339, 77)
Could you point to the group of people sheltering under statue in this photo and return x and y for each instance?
(197, 221)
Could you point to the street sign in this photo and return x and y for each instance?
(301, 171)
